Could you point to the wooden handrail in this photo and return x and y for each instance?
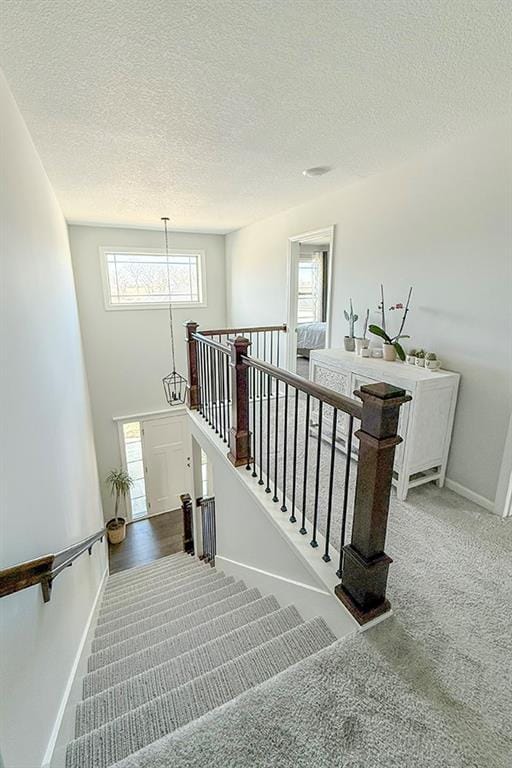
(250, 329)
(211, 343)
(326, 395)
(44, 569)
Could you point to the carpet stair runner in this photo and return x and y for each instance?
(175, 640)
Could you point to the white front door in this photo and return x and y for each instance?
(166, 451)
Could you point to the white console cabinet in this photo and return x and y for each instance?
(425, 422)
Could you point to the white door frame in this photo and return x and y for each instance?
(141, 418)
(503, 501)
(304, 237)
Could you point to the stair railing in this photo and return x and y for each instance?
(269, 415)
(44, 570)
(206, 506)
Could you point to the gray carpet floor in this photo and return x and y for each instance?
(449, 643)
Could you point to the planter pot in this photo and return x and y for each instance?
(420, 362)
(361, 344)
(376, 352)
(432, 365)
(349, 343)
(365, 352)
(116, 531)
(411, 359)
(389, 352)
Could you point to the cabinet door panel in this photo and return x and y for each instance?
(339, 381)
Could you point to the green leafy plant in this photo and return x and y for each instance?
(351, 319)
(380, 330)
(431, 356)
(421, 354)
(120, 483)
(412, 352)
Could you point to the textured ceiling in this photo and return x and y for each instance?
(208, 110)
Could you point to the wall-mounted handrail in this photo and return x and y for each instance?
(328, 396)
(45, 569)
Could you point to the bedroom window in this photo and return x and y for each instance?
(310, 288)
(143, 279)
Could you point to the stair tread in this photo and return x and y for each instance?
(136, 570)
(167, 582)
(149, 722)
(121, 669)
(202, 613)
(132, 582)
(97, 710)
(152, 605)
(129, 631)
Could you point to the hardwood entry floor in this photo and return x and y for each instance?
(147, 540)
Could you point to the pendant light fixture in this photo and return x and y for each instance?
(175, 385)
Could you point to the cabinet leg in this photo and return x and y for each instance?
(402, 488)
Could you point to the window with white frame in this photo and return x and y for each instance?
(141, 279)
(310, 288)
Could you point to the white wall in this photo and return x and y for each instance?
(441, 224)
(127, 352)
(49, 485)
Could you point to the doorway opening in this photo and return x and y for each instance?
(309, 300)
(132, 438)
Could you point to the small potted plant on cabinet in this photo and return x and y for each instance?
(120, 483)
(363, 342)
(410, 357)
(420, 358)
(431, 361)
(351, 319)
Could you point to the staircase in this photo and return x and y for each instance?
(174, 640)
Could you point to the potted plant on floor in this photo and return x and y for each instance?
(351, 319)
(120, 483)
(391, 346)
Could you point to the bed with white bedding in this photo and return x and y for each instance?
(310, 336)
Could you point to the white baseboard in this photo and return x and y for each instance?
(467, 493)
(65, 696)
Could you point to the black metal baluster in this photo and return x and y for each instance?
(228, 392)
(227, 409)
(200, 377)
(214, 384)
(250, 373)
(269, 384)
(305, 478)
(207, 381)
(293, 519)
(326, 557)
(210, 384)
(276, 441)
(345, 494)
(285, 446)
(260, 481)
(314, 542)
(254, 473)
(219, 388)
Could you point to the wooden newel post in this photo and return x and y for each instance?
(188, 527)
(239, 435)
(365, 564)
(193, 395)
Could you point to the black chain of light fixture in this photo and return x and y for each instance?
(175, 385)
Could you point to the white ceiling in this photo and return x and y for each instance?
(208, 110)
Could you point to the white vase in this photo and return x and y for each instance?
(361, 344)
(420, 362)
(411, 359)
(389, 353)
(432, 365)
